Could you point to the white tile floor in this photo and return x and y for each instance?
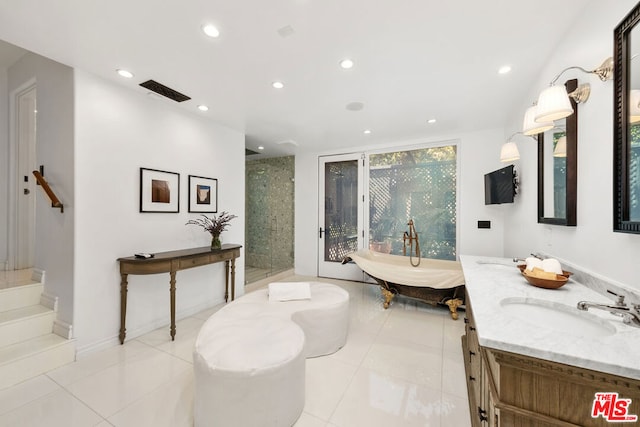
(400, 367)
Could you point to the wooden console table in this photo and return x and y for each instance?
(172, 262)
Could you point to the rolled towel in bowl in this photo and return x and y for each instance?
(552, 265)
(533, 262)
(289, 291)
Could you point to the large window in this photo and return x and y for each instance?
(419, 185)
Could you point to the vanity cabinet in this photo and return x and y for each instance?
(479, 387)
(514, 390)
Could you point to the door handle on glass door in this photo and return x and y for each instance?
(321, 231)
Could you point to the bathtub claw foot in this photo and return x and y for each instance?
(453, 304)
(388, 296)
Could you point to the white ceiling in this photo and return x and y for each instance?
(414, 60)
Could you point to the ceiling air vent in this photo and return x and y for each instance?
(248, 152)
(164, 91)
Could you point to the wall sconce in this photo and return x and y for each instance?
(530, 126)
(560, 149)
(509, 151)
(553, 102)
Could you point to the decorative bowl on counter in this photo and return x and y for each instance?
(544, 279)
(522, 268)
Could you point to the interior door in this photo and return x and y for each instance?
(341, 214)
(26, 188)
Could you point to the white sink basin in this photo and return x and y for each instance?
(557, 317)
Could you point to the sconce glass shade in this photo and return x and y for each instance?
(530, 126)
(561, 147)
(509, 152)
(634, 106)
(553, 104)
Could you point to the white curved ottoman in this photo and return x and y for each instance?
(249, 356)
(249, 372)
(324, 318)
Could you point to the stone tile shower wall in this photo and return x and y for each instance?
(269, 213)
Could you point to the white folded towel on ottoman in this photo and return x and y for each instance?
(289, 291)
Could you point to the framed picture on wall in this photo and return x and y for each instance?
(203, 194)
(159, 191)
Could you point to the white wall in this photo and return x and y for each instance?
(117, 132)
(592, 244)
(54, 231)
(4, 166)
(478, 153)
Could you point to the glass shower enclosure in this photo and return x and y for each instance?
(269, 203)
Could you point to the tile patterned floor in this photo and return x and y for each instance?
(400, 367)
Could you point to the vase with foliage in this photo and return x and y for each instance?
(214, 226)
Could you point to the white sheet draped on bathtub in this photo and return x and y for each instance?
(431, 273)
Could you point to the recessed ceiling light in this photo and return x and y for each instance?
(504, 69)
(285, 31)
(431, 121)
(124, 73)
(210, 30)
(288, 142)
(355, 106)
(261, 148)
(367, 131)
(277, 85)
(346, 63)
(203, 108)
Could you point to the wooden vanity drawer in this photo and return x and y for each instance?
(194, 262)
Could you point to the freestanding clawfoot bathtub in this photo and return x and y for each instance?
(434, 281)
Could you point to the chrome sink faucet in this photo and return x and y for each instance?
(536, 255)
(630, 315)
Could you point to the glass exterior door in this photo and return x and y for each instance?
(341, 215)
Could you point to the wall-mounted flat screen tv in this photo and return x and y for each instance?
(500, 186)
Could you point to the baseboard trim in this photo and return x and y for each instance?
(38, 275)
(63, 329)
(96, 346)
(136, 332)
(49, 301)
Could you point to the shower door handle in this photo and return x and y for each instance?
(321, 231)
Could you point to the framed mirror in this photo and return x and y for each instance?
(626, 160)
(558, 169)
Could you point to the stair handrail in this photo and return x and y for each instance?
(55, 203)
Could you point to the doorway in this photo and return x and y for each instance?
(340, 214)
(22, 213)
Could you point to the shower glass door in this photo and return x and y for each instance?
(269, 226)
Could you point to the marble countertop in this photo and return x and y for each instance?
(492, 282)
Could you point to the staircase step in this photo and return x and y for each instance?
(25, 323)
(20, 296)
(28, 359)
